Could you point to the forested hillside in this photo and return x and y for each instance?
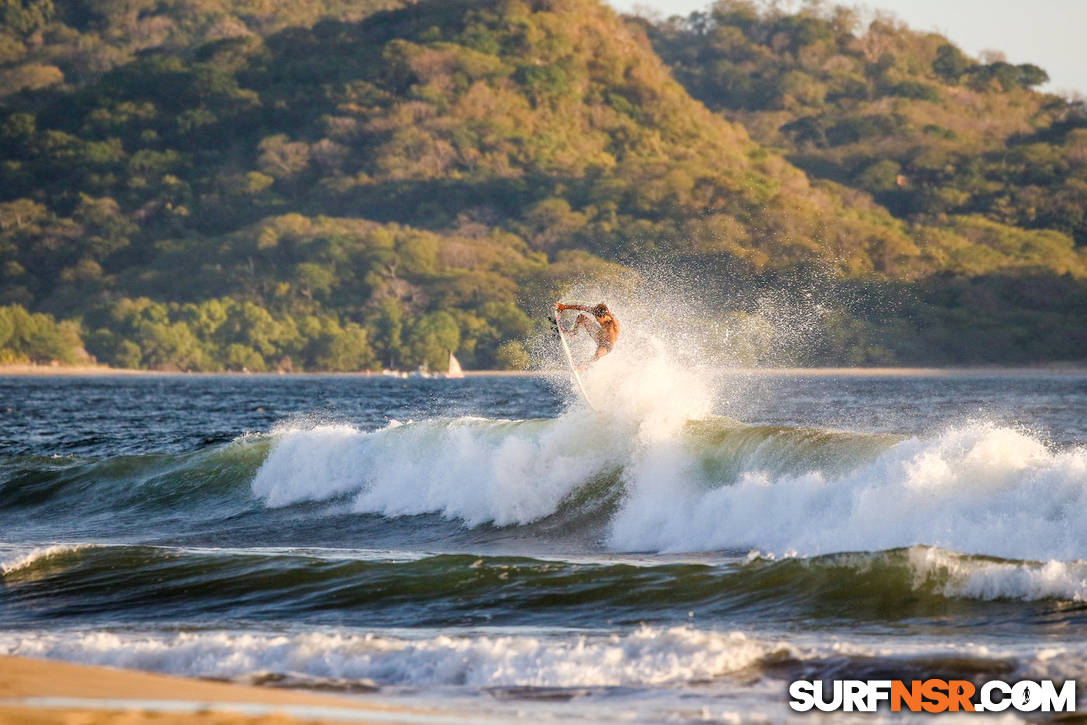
(905, 116)
(47, 43)
(314, 189)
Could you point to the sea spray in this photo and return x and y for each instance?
(678, 332)
(714, 320)
(647, 380)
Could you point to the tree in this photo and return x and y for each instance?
(511, 355)
(1031, 75)
(349, 350)
(950, 63)
(432, 338)
(388, 324)
(37, 338)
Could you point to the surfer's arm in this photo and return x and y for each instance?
(582, 321)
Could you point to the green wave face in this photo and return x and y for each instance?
(140, 583)
(725, 449)
(148, 481)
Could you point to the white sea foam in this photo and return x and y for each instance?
(978, 579)
(19, 558)
(648, 657)
(309, 463)
(475, 470)
(977, 489)
(644, 657)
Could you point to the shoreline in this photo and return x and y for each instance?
(911, 371)
(50, 691)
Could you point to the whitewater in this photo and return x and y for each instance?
(492, 545)
(712, 484)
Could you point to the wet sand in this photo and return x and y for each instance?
(38, 691)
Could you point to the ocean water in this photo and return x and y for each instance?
(491, 546)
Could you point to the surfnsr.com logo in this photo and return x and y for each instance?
(932, 695)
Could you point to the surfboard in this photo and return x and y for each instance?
(570, 362)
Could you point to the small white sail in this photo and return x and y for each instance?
(455, 370)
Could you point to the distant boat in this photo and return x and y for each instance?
(455, 370)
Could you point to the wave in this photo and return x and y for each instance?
(21, 560)
(145, 482)
(539, 663)
(645, 656)
(713, 484)
(956, 575)
(584, 482)
(158, 584)
(507, 473)
(475, 470)
(978, 489)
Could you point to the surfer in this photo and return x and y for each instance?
(604, 333)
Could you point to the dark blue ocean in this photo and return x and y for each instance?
(491, 546)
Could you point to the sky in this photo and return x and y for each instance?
(1048, 33)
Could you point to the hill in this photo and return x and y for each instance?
(69, 43)
(356, 193)
(905, 116)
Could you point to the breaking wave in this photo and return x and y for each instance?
(646, 656)
(553, 665)
(714, 484)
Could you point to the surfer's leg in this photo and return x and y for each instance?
(600, 352)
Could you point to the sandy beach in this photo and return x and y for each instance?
(69, 370)
(38, 691)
